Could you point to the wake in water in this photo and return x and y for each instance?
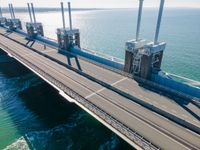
(59, 137)
(20, 144)
(36, 117)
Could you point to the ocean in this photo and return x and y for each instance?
(34, 116)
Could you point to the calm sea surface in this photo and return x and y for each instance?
(33, 115)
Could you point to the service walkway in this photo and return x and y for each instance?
(110, 97)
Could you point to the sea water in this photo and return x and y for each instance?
(34, 116)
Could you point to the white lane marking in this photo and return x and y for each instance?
(26, 54)
(47, 51)
(21, 55)
(94, 93)
(119, 81)
(98, 91)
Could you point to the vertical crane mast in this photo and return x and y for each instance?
(153, 51)
(159, 21)
(29, 11)
(2, 19)
(13, 23)
(132, 56)
(67, 37)
(12, 10)
(1, 15)
(142, 58)
(70, 16)
(33, 11)
(139, 19)
(63, 15)
(11, 15)
(33, 27)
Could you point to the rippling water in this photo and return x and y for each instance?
(106, 31)
(34, 116)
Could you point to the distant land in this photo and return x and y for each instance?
(47, 9)
(43, 9)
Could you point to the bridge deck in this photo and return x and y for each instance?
(157, 129)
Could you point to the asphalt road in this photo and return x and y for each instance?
(157, 129)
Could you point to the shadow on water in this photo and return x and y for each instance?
(11, 68)
(45, 119)
(55, 112)
(47, 105)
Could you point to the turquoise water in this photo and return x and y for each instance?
(33, 115)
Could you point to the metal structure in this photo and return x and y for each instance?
(153, 51)
(112, 106)
(67, 37)
(2, 19)
(132, 56)
(13, 23)
(131, 115)
(33, 27)
(141, 57)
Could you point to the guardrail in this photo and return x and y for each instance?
(181, 87)
(113, 122)
(115, 59)
(174, 118)
(185, 80)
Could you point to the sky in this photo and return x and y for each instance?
(103, 3)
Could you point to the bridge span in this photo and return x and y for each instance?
(143, 118)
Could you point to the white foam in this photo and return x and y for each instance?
(20, 144)
(46, 138)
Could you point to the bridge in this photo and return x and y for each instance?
(135, 109)
(136, 124)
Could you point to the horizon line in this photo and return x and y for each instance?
(104, 8)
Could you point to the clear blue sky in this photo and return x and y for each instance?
(103, 3)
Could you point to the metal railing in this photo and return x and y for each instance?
(109, 57)
(144, 104)
(185, 80)
(113, 122)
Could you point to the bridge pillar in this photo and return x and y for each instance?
(2, 19)
(142, 58)
(132, 57)
(67, 37)
(33, 28)
(151, 58)
(13, 23)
